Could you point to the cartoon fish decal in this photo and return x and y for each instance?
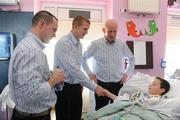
(131, 28)
(152, 28)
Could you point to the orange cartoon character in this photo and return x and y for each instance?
(131, 28)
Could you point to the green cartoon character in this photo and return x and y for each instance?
(152, 28)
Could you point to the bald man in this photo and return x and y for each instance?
(108, 53)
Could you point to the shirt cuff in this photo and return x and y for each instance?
(94, 86)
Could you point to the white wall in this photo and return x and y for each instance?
(172, 50)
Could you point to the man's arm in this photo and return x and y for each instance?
(30, 82)
(65, 55)
(88, 54)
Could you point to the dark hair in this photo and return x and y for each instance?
(45, 15)
(164, 84)
(79, 20)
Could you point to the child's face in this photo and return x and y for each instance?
(155, 88)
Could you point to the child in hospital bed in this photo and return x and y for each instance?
(126, 104)
(154, 100)
(156, 89)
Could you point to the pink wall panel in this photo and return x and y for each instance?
(159, 39)
(25, 5)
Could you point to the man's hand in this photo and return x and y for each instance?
(56, 77)
(101, 91)
(93, 77)
(111, 95)
(124, 78)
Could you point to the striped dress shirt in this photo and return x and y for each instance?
(68, 55)
(28, 77)
(108, 60)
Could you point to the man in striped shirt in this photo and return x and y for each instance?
(68, 55)
(108, 53)
(30, 80)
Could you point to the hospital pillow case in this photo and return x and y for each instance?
(141, 81)
(174, 88)
(138, 81)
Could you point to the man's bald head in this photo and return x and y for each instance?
(111, 23)
(110, 30)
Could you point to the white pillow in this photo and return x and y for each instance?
(174, 88)
(168, 106)
(138, 81)
(176, 111)
(141, 81)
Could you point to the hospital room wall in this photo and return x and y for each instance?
(159, 39)
(112, 9)
(25, 5)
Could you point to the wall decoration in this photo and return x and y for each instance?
(162, 63)
(143, 53)
(131, 28)
(152, 28)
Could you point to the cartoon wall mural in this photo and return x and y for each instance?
(131, 29)
(152, 28)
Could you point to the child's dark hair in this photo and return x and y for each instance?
(164, 84)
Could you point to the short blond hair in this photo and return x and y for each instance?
(79, 20)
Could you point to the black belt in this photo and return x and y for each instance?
(71, 85)
(99, 81)
(33, 114)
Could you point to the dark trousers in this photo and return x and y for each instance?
(110, 86)
(17, 115)
(69, 102)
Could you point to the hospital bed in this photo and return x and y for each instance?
(167, 109)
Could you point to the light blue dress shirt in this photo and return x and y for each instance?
(68, 53)
(28, 77)
(108, 60)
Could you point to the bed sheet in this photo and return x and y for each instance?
(126, 110)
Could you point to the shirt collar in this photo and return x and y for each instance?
(109, 42)
(74, 40)
(37, 40)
